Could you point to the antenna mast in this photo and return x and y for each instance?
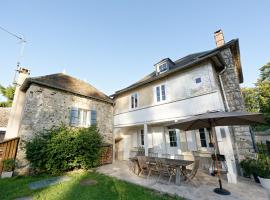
(22, 42)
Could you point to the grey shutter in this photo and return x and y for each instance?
(74, 116)
(93, 117)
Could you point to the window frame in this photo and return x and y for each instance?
(161, 93)
(203, 140)
(142, 137)
(80, 117)
(173, 143)
(162, 69)
(133, 104)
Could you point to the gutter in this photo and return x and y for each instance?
(222, 88)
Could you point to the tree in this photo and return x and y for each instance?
(257, 99)
(251, 99)
(265, 72)
(7, 92)
(263, 88)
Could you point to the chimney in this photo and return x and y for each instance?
(20, 76)
(219, 38)
(16, 112)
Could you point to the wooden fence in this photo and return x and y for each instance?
(8, 149)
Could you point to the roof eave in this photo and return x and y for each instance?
(26, 84)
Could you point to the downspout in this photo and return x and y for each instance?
(222, 88)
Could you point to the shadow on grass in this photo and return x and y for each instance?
(107, 188)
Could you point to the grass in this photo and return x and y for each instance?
(107, 188)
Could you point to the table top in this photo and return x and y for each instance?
(170, 161)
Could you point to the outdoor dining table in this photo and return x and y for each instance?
(178, 165)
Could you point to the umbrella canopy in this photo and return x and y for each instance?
(211, 119)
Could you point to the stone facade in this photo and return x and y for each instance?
(45, 108)
(241, 136)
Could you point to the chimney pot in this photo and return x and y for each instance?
(24, 70)
(219, 38)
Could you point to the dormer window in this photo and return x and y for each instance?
(164, 65)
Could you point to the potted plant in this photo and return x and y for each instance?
(8, 166)
(263, 170)
(249, 166)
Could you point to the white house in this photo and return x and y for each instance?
(195, 84)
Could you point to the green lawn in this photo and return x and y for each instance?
(106, 188)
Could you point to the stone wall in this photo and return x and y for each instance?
(45, 108)
(241, 136)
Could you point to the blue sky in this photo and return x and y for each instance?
(112, 44)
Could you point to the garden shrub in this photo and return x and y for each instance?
(260, 165)
(64, 148)
(8, 164)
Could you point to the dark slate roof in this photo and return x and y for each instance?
(67, 83)
(4, 115)
(183, 63)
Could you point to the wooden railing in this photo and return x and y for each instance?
(8, 149)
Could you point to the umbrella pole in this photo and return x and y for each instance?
(219, 190)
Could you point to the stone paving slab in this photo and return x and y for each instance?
(25, 198)
(200, 188)
(48, 182)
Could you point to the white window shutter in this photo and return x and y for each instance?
(74, 116)
(88, 118)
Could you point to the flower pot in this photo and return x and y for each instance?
(6, 174)
(265, 183)
(256, 177)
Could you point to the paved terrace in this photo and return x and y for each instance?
(200, 188)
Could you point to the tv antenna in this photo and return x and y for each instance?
(22, 42)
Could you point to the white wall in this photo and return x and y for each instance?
(184, 98)
(170, 111)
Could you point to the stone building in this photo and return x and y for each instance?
(137, 116)
(207, 81)
(57, 99)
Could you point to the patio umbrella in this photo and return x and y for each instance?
(213, 119)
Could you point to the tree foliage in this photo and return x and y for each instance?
(64, 148)
(257, 99)
(251, 99)
(7, 92)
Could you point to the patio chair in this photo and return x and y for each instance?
(144, 167)
(191, 173)
(166, 155)
(152, 166)
(164, 169)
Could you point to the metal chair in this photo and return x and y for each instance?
(219, 160)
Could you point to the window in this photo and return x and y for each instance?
(142, 137)
(198, 80)
(82, 118)
(203, 137)
(93, 117)
(173, 138)
(163, 67)
(134, 101)
(160, 93)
